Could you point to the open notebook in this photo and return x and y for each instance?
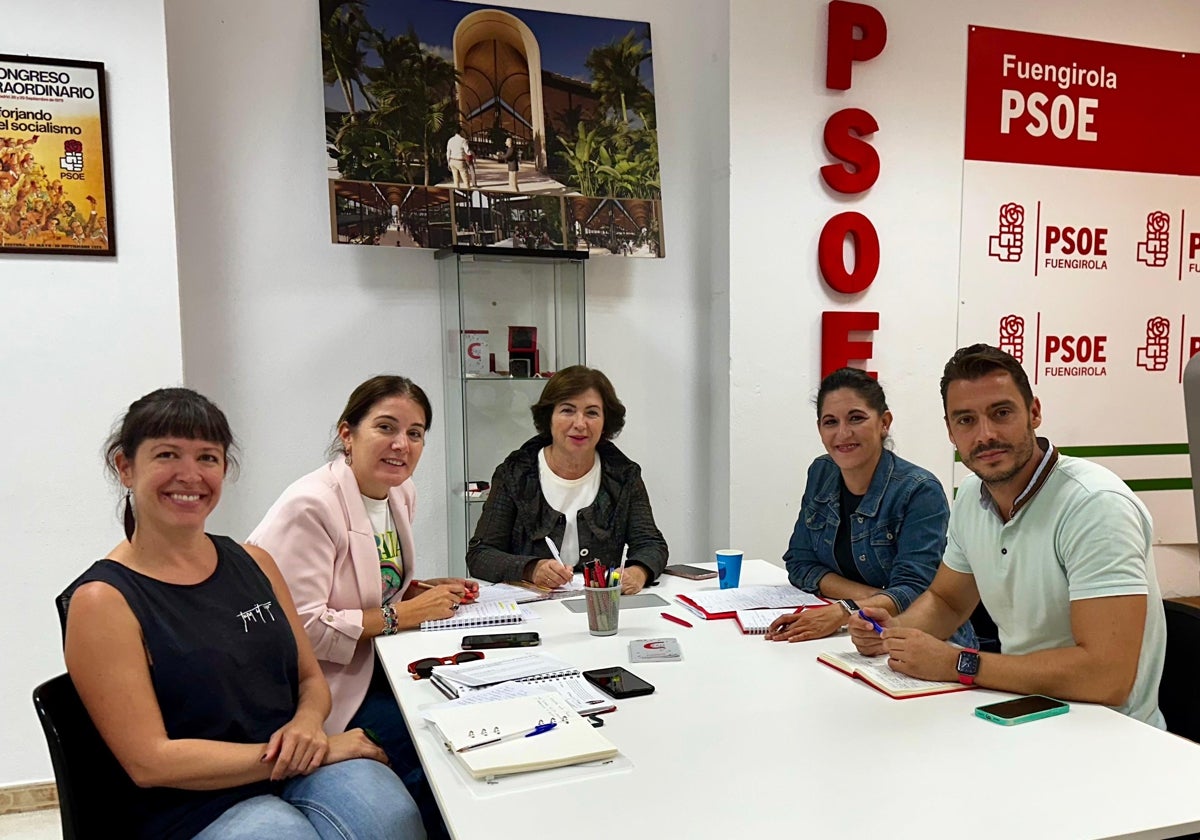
(571, 589)
(756, 622)
(724, 603)
(875, 671)
(470, 732)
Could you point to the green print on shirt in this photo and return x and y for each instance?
(391, 563)
(388, 545)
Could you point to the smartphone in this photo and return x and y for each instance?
(690, 572)
(618, 683)
(501, 640)
(1022, 710)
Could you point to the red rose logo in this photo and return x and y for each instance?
(1012, 214)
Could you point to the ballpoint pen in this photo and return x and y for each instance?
(524, 733)
(874, 623)
(467, 596)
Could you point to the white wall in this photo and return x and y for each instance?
(83, 337)
(279, 324)
(778, 204)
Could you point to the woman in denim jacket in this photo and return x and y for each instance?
(872, 526)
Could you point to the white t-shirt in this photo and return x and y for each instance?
(568, 497)
(387, 543)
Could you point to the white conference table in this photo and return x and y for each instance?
(746, 736)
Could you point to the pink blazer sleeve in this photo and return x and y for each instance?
(307, 533)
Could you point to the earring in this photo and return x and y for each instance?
(349, 460)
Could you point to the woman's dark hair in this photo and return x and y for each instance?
(167, 412)
(978, 360)
(571, 382)
(870, 391)
(366, 395)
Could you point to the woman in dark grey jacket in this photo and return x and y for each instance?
(570, 490)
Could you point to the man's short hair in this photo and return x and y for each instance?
(978, 360)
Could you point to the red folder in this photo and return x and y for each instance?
(700, 612)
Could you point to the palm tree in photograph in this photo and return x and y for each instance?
(616, 76)
(342, 55)
(414, 94)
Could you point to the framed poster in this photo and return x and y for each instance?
(55, 176)
(458, 123)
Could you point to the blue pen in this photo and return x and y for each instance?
(524, 733)
(874, 623)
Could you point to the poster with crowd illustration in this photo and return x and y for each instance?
(55, 179)
(452, 123)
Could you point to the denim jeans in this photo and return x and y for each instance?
(380, 715)
(359, 799)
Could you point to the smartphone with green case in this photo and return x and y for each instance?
(1022, 710)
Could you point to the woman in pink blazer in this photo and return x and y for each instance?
(342, 536)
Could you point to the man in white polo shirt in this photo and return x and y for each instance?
(1058, 549)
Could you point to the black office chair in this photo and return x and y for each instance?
(985, 629)
(95, 796)
(1179, 691)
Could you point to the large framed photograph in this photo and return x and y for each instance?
(55, 176)
(456, 123)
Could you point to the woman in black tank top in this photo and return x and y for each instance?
(189, 656)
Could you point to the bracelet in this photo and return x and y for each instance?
(390, 627)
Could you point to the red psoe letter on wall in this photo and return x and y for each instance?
(842, 48)
(850, 148)
(866, 252)
(837, 350)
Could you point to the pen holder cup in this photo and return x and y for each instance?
(603, 609)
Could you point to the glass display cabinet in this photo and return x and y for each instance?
(510, 319)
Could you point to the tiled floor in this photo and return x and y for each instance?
(31, 825)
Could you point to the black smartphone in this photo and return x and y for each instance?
(618, 683)
(1022, 710)
(690, 572)
(501, 640)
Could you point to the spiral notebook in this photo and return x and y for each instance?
(756, 622)
(478, 615)
(486, 738)
(724, 603)
(534, 669)
(580, 694)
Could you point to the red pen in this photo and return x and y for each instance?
(670, 617)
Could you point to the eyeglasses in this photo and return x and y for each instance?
(423, 668)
